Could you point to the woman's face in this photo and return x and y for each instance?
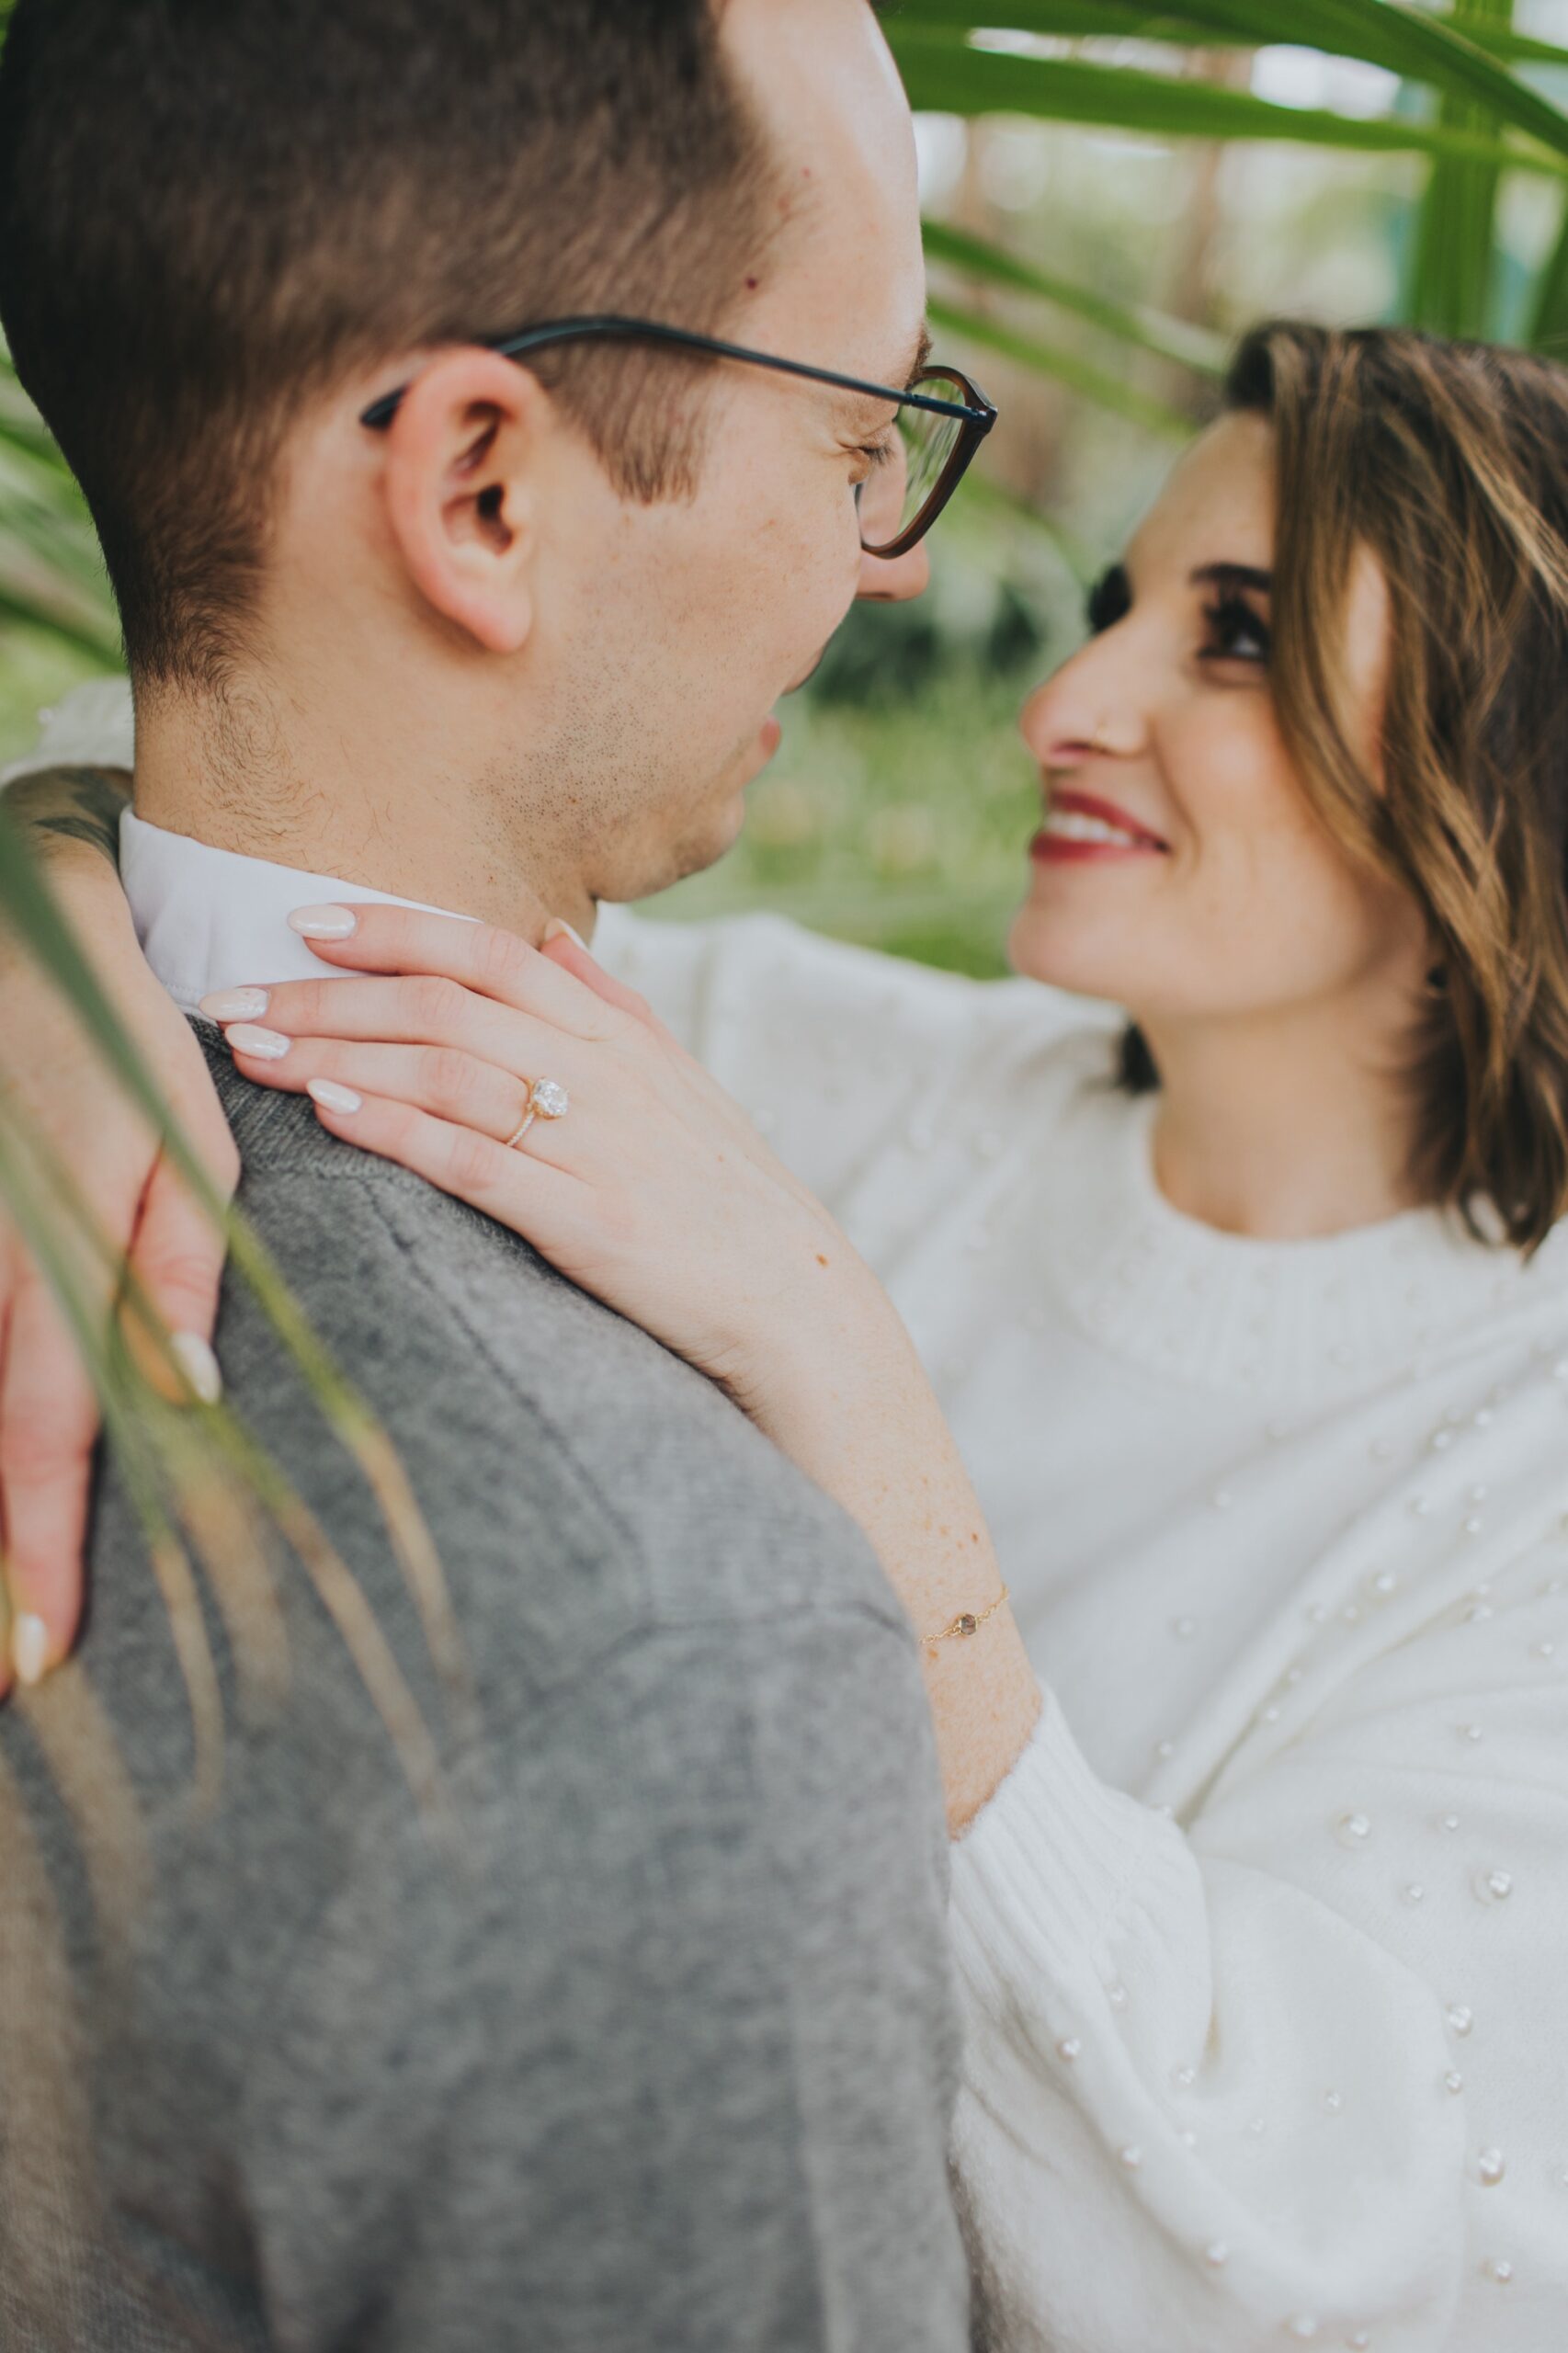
(1181, 871)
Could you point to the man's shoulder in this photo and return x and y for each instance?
(555, 1450)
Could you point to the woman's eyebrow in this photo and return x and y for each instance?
(1233, 575)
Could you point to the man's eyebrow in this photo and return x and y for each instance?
(899, 379)
(922, 354)
(1233, 575)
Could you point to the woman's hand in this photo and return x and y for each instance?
(655, 1193)
(58, 1090)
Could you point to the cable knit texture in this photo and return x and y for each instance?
(1263, 1943)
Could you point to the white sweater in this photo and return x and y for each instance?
(1263, 1945)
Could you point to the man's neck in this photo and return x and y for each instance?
(397, 820)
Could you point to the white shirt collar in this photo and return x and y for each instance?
(210, 920)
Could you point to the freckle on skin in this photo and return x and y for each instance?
(821, 1260)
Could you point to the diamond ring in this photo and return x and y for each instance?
(546, 1101)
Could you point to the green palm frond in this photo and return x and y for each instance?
(1466, 53)
(1145, 330)
(943, 73)
(1464, 110)
(40, 1195)
(52, 575)
(1098, 384)
(1453, 288)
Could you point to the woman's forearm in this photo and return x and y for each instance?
(871, 1434)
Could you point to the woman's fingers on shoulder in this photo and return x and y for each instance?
(565, 950)
(515, 1188)
(485, 959)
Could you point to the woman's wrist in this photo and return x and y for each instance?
(847, 1400)
(816, 1347)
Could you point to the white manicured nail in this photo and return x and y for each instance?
(29, 1649)
(235, 1005)
(333, 1097)
(199, 1364)
(558, 930)
(324, 922)
(262, 1045)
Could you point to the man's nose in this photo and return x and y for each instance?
(894, 581)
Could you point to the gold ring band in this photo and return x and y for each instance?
(547, 1099)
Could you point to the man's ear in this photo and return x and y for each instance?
(459, 490)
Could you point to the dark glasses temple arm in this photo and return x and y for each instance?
(515, 347)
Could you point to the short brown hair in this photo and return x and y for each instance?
(212, 214)
(1450, 462)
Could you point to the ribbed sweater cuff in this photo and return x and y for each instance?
(1045, 1866)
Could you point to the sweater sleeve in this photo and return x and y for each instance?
(1218, 2089)
(95, 726)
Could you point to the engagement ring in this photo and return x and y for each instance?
(546, 1101)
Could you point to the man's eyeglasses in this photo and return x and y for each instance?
(943, 417)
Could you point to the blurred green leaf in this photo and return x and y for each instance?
(29, 910)
(1547, 330)
(942, 73)
(1152, 331)
(1452, 289)
(1465, 55)
(52, 576)
(35, 612)
(1066, 367)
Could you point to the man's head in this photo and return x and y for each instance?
(223, 232)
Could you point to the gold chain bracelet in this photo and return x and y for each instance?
(969, 1622)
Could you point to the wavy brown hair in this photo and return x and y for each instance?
(1450, 462)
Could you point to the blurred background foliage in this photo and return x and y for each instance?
(1112, 190)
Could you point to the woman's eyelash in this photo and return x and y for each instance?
(1229, 618)
(1111, 600)
(877, 452)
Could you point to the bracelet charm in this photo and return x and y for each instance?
(971, 1621)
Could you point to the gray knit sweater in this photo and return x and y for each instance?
(667, 2062)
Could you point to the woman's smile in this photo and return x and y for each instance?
(1080, 826)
